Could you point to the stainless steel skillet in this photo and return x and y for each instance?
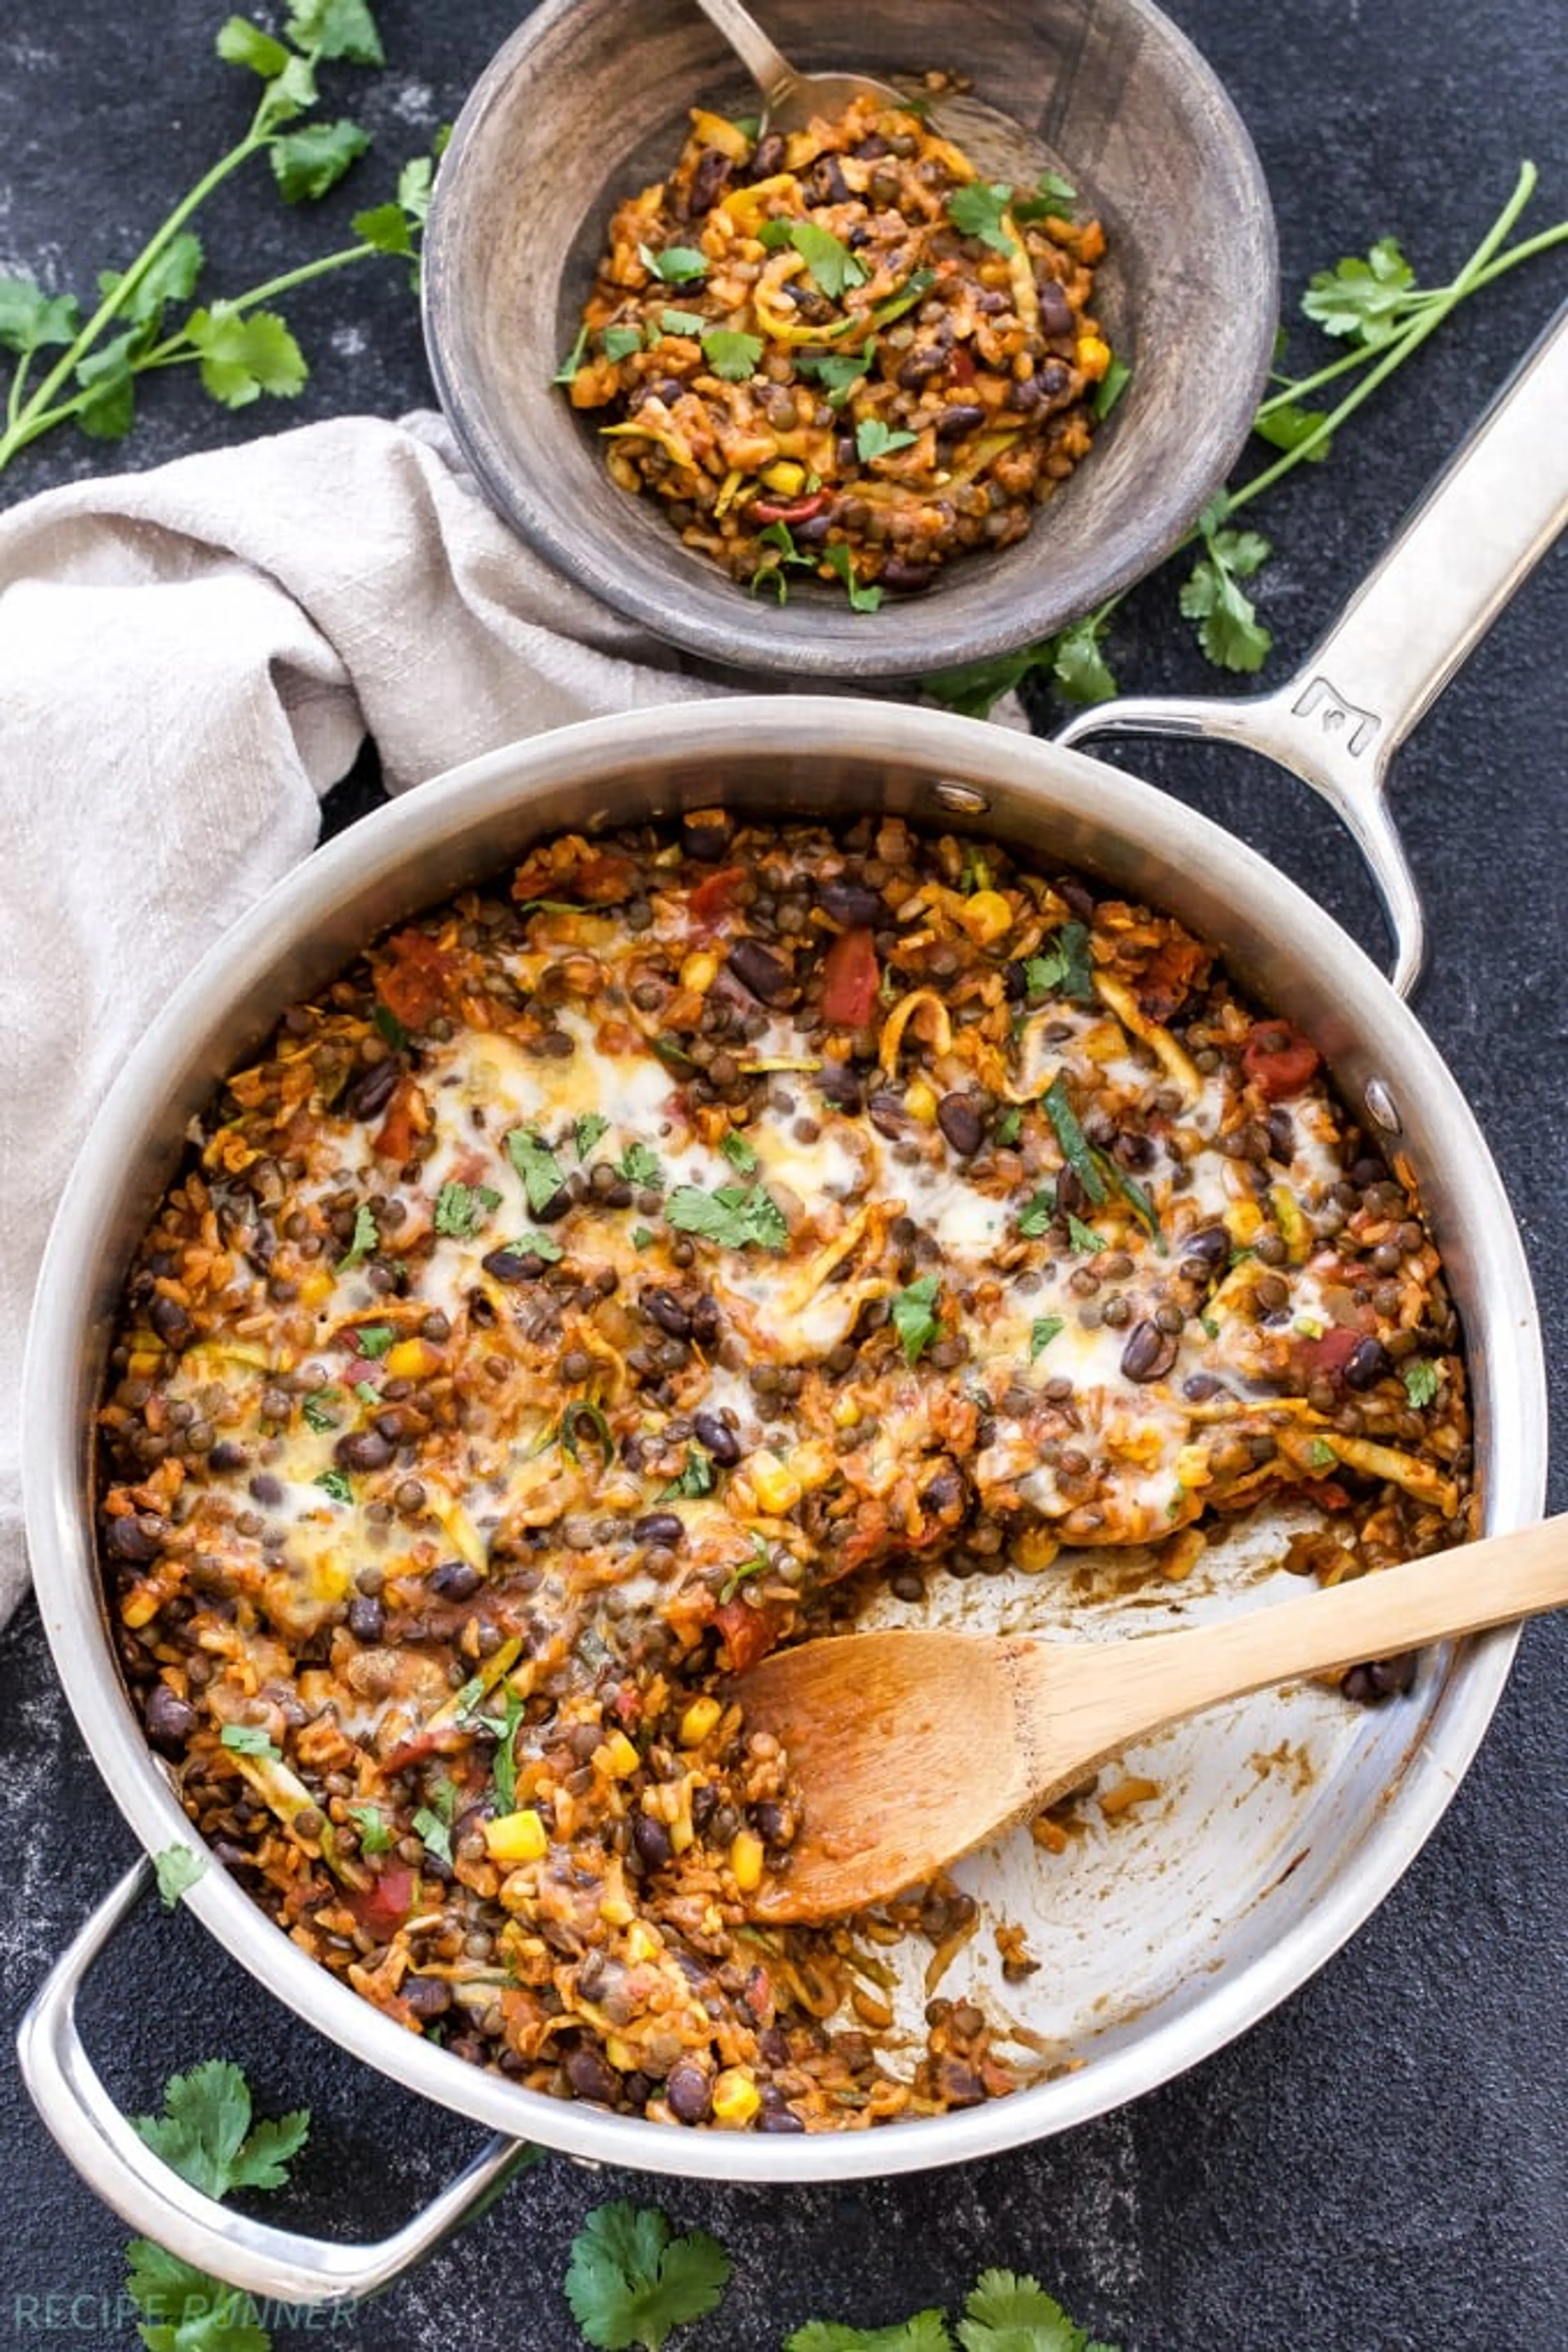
(1198, 1919)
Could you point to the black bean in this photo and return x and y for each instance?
(764, 975)
(659, 1528)
(717, 1437)
(961, 1123)
(170, 1321)
(1380, 1679)
(591, 2077)
(828, 184)
(1368, 1362)
(652, 1842)
(705, 835)
(779, 2119)
(851, 904)
(1055, 310)
(662, 1307)
(709, 181)
(705, 1319)
(918, 365)
(372, 1092)
(769, 157)
(364, 1449)
(555, 1208)
(455, 1579)
(367, 1617)
(962, 417)
(228, 1455)
(1211, 1247)
(513, 1266)
(169, 1721)
(688, 2091)
(888, 1114)
(1149, 1353)
(907, 579)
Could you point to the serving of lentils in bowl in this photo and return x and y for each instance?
(837, 402)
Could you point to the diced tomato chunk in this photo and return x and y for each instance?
(1330, 1352)
(415, 981)
(749, 1634)
(1278, 1061)
(960, 366)
(381, 1909)
(851, 976)
(714, 897)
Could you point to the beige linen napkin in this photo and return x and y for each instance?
(189, 657)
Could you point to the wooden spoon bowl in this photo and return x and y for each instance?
(912, 1747)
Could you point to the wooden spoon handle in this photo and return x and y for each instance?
(1159, 1679)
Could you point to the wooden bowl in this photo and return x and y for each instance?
(589, 101)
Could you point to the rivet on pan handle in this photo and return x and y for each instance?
(268, 2264)
(1450, 570)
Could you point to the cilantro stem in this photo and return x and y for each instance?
(176, 350)
(24, 426)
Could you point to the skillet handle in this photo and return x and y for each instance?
(268, 2264)
(1450, 569)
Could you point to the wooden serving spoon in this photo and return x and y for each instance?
(912, 1747)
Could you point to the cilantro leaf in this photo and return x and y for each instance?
(335, 1484)
(1065, 967)
(678, 264)
(1290, 424)
(176, 1869)
(680, 322)
(915, 1318)
(632, 2282)
(587, 1132)
(204, 2132)
(1036, 1213)
(1421, 1381)
(461, 1209)
(105, 376)
(1082, 1236)
(1362, 302)
(1042, 1331)
(1073, 1141)
(735, 1216)
(641, 1167)
(306, 164)
(373, 1338)
(1110, 389)
(739, 1152)
(1051, 198)
(337, 28)
(861, 600)
(249, 1739)
(926, 2331)
(29, 318)
(434, 1832)
(1078, 668)
(366, 1237)
(620, 342)
(241, 43)
(978, 209)
(1229, 631)
(541, 1173)
(188, 2311)
(573, 358)
(875, 439)
(374, 1835)
(171, 278)
(1010, 1126)
(1320, 1455)
(244, 354)
(838, 371)
(696, 1478)
(827, 258)
(1007, 2313)
(732, 355)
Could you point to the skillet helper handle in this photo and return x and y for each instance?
(268, 2264)
(1452, 566)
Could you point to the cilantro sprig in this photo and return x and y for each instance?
(632, 2281)
(206, 2134)
(1005, 2311)
(735, 1216)
(146, 318)
(1374, 306)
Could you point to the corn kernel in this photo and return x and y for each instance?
(621, 2054)
(617, 1755)
(698, 1720)
(1242, 1222)
(516, 1837)
(986, 916)
(786, 477)
(412, 1359)
(746, 1861)
(847, 1414)
(1034, 1550)
(699, 971)
(921, 1101)
(315, 1287)
(1093, 355)
(774, 1483)
(643, 1942)
(736, 2097)
(140, 1606)
(617, 1911)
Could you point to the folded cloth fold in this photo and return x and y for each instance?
(189, 658)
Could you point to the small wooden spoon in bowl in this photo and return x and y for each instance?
(912, 1748)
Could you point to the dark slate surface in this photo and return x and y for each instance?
(1382, 2162)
